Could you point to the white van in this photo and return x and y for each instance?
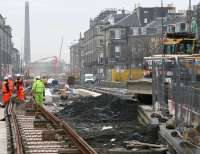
(89, 78)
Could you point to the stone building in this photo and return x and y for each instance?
(94, 41)
(5, 47)
(116, 46)
(75, 60)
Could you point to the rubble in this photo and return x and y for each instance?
(107, 121)
(104, 108)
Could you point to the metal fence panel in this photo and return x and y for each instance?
(177, 82)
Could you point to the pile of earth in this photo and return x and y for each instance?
(106, 121)
(103, 108)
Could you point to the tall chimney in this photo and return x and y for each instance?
(27, 50)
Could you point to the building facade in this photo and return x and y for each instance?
(148, 14)
(116, 46)
(5, 48)
(94, 42)
(75, 60)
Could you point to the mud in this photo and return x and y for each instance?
(106, 121)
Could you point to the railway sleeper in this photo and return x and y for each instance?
(40, 123)
(49, 135)
(30, 112)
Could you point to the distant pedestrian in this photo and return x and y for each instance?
(38, 91)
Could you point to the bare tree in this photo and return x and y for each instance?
(142, 46)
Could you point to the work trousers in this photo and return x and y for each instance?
(39, 98)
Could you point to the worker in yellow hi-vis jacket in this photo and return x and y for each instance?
(38, 91)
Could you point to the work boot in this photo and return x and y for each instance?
(2, 106)
(3, 119)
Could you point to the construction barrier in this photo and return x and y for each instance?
(126, 74)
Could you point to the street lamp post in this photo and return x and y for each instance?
(105, 62)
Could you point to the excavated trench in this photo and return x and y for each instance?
(107, 121)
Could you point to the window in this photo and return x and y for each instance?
(182, 27)
(171, 11)
(101, 71)
(145, 20)
(135, 31)
(101, 28)
(133, 51)
(117, 51)
(101, 42)
(117, 34)
(97, 29)
(139, 31)
(112, 34)
(100, 58)
(171, 28)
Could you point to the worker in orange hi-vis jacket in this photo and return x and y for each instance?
(19, 88)
(5, 96)
(10, 82)
(5, 91)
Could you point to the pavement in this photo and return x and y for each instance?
(3, 134)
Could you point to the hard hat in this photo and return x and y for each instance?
(37, 77)
(18, 75)
(9, 76)
(5, 78)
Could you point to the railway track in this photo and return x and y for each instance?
(32, 129)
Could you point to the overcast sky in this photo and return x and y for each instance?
(52, 19)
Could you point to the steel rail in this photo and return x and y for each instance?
(19, 149)
(14, 127)
(70, 133)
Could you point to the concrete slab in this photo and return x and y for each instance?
(3, 134)
(84, 92)
(144, 114)
(143, 86)
(176, 143)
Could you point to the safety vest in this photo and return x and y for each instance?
(19, 85)
(10, 84)
(39, 86)
(5, 87)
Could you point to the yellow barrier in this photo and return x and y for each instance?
(124, 75)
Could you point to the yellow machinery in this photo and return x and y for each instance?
(180, 44)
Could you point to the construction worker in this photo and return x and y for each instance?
(38, 91)
(19, 88)
(5, 91)
(10, 81)
(5, 95)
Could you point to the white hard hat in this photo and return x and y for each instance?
(37, 77)
(9, 76)
(18, 75)
(5, 78)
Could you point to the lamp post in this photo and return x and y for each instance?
(189, 16)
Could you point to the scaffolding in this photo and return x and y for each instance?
(176, 89)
